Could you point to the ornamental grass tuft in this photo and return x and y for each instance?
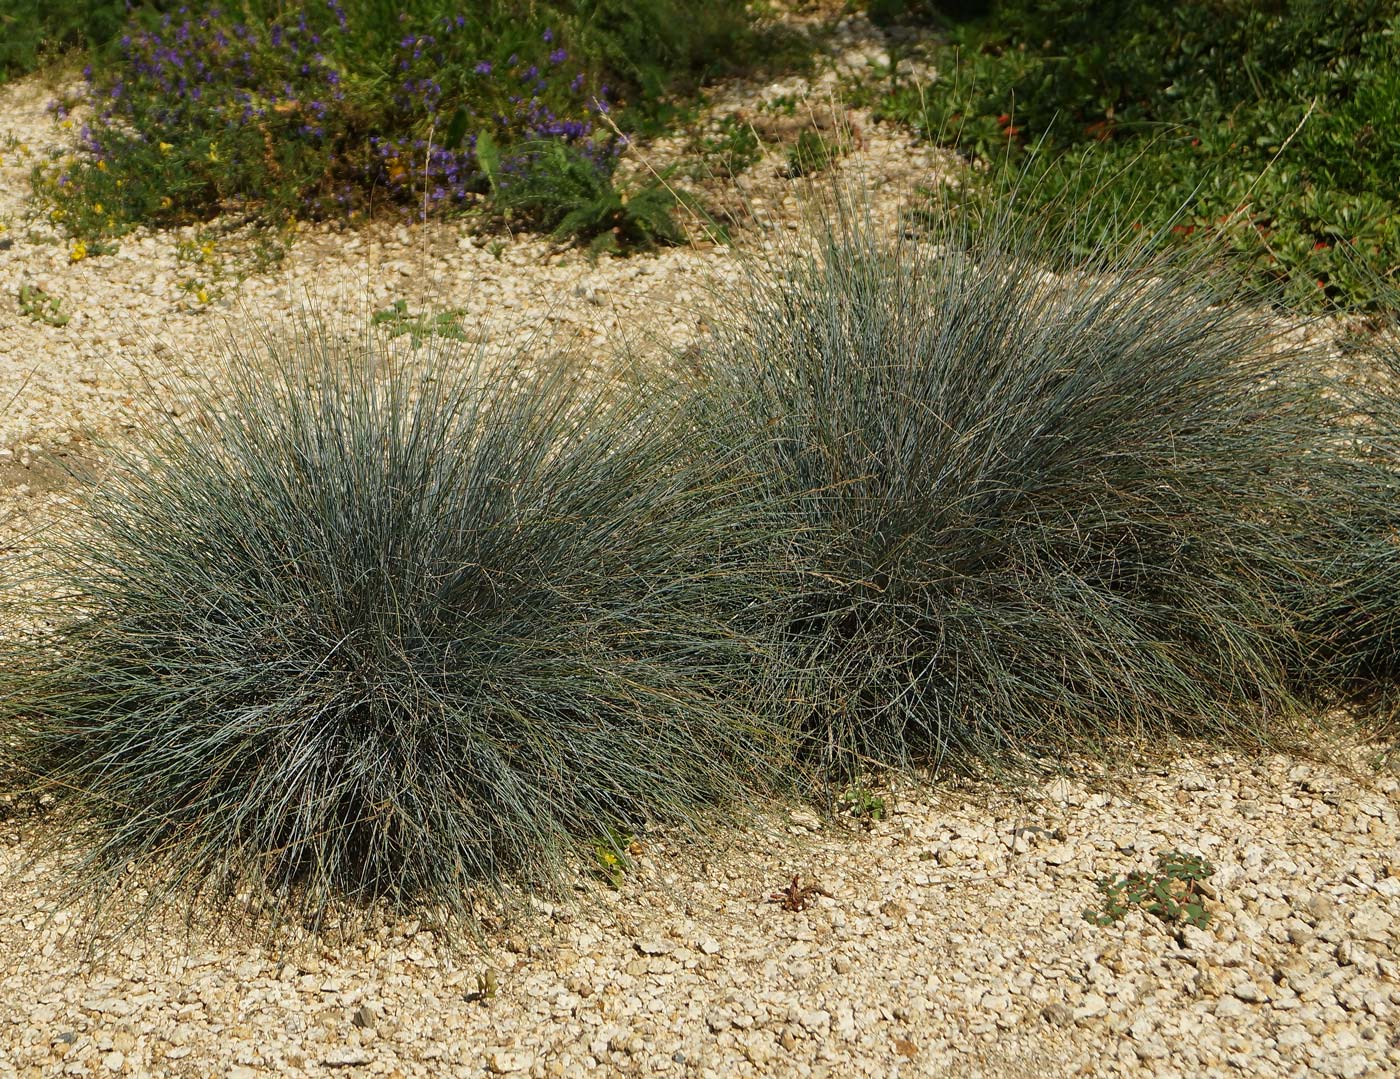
(390, 629)
(1357, 625)
(1033, 514)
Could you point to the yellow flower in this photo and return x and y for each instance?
(165, 203)
(202, 296)
(165, 147)
(79, 252)
(213, 153)
(66, 124)
(97, 207)
(102, 166)
(206, 248)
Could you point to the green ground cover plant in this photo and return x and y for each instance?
(1170, 891)
(1034, 514)
(398, 320)
(1275, 121)
(389, 630)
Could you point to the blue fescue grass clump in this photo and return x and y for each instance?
(390, 630)
(1357, 624)
(1031, 513)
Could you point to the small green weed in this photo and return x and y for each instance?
(487, 986)
(1171, 892)
(204, 263)
(612, 856)
(862, 803)
(731, 150)
(782, 105)
(399, 321)
(41, 307)
(814, 152)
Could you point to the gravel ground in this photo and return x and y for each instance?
(951, 941)
(947, 939)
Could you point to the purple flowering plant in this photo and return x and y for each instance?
(203, 112)
(445, 101)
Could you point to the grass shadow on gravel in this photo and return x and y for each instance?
(389, 629)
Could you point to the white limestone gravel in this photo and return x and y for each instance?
(952, 941)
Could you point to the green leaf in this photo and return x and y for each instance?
(457, 130)
(488, 159)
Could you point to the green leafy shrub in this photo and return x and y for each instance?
(32, 32)
(656, 48)
(389, 629)
(208, 114)
(1032, 513)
